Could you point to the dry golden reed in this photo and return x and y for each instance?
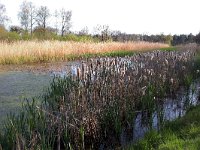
(46, 51)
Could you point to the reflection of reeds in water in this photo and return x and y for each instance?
(83, 110)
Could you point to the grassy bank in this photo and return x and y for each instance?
(183, 133)
(48, 51)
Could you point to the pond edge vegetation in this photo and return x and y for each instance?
(68, 117)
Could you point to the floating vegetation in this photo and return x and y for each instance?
(91, 107)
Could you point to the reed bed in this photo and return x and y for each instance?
(92, 104)
(47, 51)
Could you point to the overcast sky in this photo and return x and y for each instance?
(131, 16)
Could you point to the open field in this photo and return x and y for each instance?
(101, 99)
(49, 51)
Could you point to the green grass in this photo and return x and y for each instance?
(171, 48)
(120, 53)
(183, 133)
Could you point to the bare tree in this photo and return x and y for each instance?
(42, 16)
(65, 21)
(32, 16)
(56, 15)
(3, 16)
(84, 31)
(24, 15)
(105, 33)
(27, 15)
(102, 32)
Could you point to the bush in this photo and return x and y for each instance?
(78, 38)
(12, 36)
(8, 36)
(26, 36)
(3, 33)
(41, 33)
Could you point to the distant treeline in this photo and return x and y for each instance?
(169, 39)
(41, 24)
(40, 33)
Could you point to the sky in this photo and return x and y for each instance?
(130, 16)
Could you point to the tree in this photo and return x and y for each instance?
(32, 16)
(27, 15)
(197, 38)
(42, 16)
(24, 15)
(103, 32)
(47, 33)
(191, 38)
(84, 31)
(16, 29)
(3, 16)
(168, 39)
(116, 35)
(56, 15)
(65, 21)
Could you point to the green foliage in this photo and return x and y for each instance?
(13, 36)
(41, 33)
(169, 48)
(81, 110)
(78, 38)
(26, 36)
(3, 33)
(183, 133)
(121, 53)
(188, 80)
(168, 39)
(8, 36)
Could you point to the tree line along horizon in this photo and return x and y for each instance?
(34, 24)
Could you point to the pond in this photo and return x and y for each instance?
(15, 86)
(18, 82)
(30, 81)
(170, 109)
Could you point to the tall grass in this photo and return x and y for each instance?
(90, 108)
(46, 51)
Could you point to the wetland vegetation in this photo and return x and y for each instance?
(105, 89)
(183, 133)
(100, 99)
(24, 52)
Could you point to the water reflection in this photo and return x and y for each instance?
(169, 110)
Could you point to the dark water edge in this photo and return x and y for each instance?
(169, 110)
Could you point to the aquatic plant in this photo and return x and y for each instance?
(98, 99)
